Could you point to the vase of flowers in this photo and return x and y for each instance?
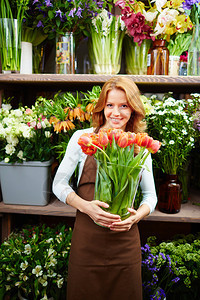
(136, 56)
(62, 17)
(26, 149)
(192, 8)
(155, 21)
(34, 262)
(171, 122)
(105, 44)
(118, 171)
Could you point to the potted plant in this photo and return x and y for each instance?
(25, 155)
(34, 263)
(171, 122)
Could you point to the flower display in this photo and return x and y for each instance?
(171, 122)
(159, 274)
(25, 135)
(105, 48)
(64, 16)
(192, 8)
(159, 20)
(119, 171)
(34, 262)
(172, 265)
(68, 113)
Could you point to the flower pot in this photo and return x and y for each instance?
(65, 54)
(26, 183)
(10, 45)
(169, 197)
(158, 59)
(136, 56)
(26, 58)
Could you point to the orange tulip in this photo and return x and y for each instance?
(113, 132)
(131, 138)
(89, 150)
(123, 140)
(155, 146)
(85, 140)
(103, 138)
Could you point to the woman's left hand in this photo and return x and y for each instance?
(135, 217)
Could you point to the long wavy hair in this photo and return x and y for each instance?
(136, 122)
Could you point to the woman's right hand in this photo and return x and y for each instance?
(94, 210)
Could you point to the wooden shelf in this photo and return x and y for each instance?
(146, 83)
(188, 213)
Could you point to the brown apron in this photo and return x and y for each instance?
(103, 264)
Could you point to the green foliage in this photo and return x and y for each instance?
(34, 261)
(184, 252)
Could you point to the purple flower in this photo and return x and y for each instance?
(176, 279)
(187, 4)
(71, 13)
(58, 14)
(35, 1)
(48, 3)
(39, 24)
(79, 11)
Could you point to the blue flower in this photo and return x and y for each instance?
(39, 24)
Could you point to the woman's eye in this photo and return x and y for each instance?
(109, 105)
(124, 105)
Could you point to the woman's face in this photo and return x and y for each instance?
(117, 111)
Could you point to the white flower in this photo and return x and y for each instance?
(43, 280)
(37, 271)
(171, 142)
(60, 282)
(25, 278)
(53, 261)
(9, 149)
(49, 240)
(184, 132)
(6, 106)
(18, 112)
(24, 265)
(27, 249)
(149, 16)
(47, 134)
(6, 160)
(12, 140)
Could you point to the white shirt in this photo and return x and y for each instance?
(74, 156)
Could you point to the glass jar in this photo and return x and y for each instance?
(158, 59)
(65, 54)
(169, 197)
(193, 66)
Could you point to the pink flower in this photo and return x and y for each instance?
(28, 111)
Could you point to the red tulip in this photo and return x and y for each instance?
(155, 146)
(114, 132)
(123, 140)
(89, 150)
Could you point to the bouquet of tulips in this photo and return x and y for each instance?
(118, 169)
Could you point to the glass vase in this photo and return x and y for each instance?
(136, 56)
(193, 66)
(169, 196)
(119, 199)
(158, 59)
(105, 52)
(10, 45)
(65, 54)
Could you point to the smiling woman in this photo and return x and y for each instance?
(108, 255)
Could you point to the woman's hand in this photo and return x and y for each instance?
(98, 215)
(135, 217)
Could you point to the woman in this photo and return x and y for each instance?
(105, 263)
